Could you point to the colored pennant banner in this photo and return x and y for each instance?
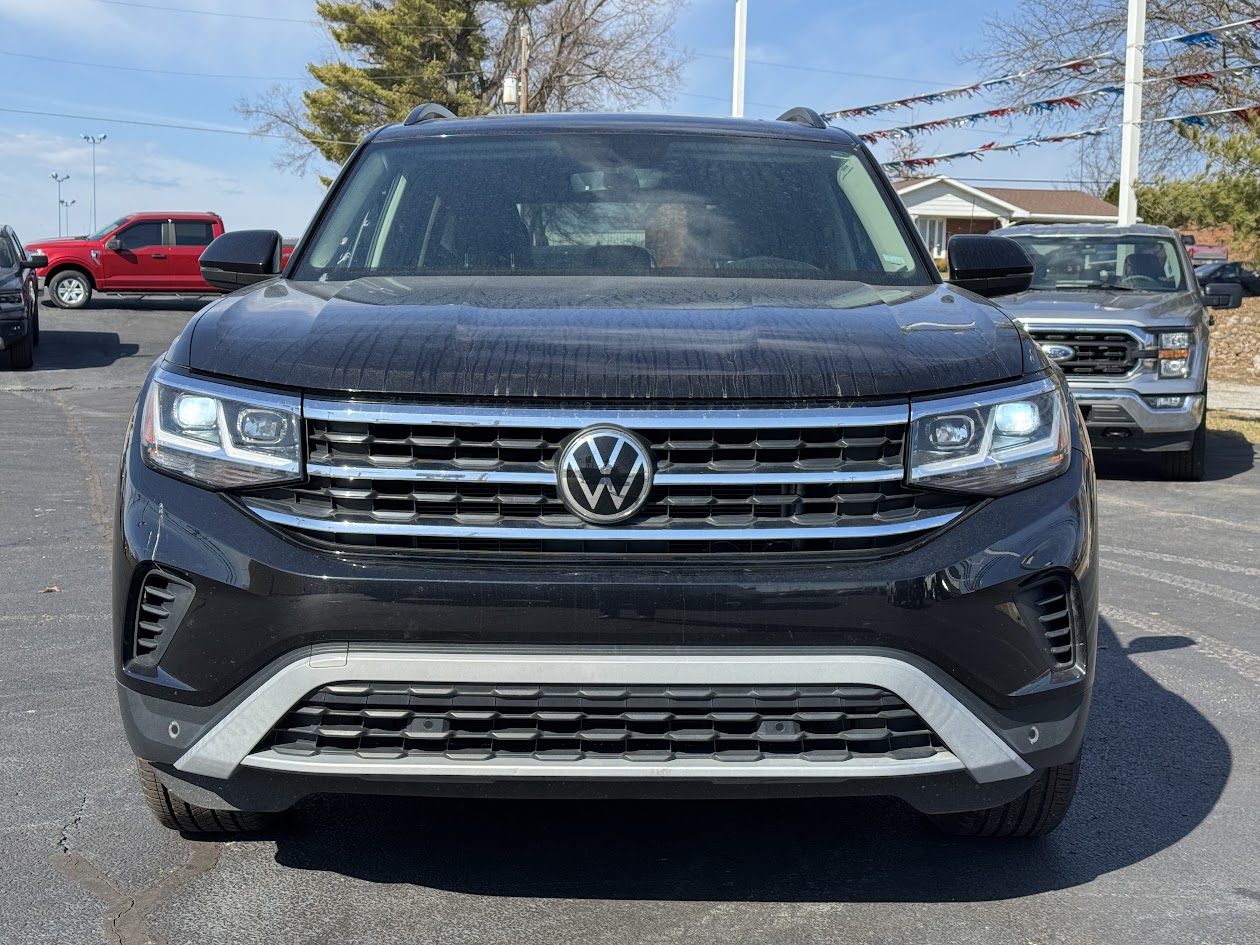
(1244, 31)
(918, 163)
(1082, 66)
(962, 121)
(1249, 113)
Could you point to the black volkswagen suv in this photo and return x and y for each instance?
(606, 455)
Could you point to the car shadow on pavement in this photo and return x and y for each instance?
(75, 350)
(1153, 769)
(1229, 454)
(147, 303)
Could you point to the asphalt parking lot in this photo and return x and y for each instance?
(1162, 845)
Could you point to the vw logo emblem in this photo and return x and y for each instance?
(1059, 353)
(604, 475)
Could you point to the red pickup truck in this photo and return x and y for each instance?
(146, 253)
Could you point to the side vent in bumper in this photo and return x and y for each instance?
(163, 601)
(1047, 605)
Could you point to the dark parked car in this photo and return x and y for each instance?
(19, 300)
(1233, 272)
(606, 455)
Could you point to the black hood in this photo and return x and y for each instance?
(616, 338)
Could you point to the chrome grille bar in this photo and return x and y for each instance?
(665, 532)
(630, 418)
(447, 474)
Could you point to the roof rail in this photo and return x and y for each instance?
(427, 112)
(803, 116)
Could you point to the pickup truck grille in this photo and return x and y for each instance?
(1097, 353)
(391, 477)
(389, 720)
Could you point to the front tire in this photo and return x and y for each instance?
(35, 325)
(22, 353)
(175, 813)
(70, 288)
(1188, 465)
(1033, 814)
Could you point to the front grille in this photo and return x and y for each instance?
(570, 723)
(389, 477)
(1047, 605)
(1097, 354)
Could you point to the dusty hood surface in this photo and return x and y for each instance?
(1087, 304)
(623, 338)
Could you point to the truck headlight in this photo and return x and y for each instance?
(1174, 353)
(11, 298)
(220, 436)
(991, 443)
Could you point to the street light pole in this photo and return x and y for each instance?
(67, 204)
(741, 42)
(94, 140)
(60, 179)
(1131, 129)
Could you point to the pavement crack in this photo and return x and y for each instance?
(64, 843)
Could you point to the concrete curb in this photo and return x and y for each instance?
(1234, 397)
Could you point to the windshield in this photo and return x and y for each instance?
(108, 228)
(1141, 263)
(612, 204)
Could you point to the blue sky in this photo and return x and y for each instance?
(821, 53)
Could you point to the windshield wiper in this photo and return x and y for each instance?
(1098, 285)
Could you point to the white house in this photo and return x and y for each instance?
(942, 207)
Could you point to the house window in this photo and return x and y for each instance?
(932, 229)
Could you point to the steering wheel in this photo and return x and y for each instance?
(1142, 282)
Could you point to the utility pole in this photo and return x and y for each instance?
(67, 204)
(741, 43)
(60, 179)
(525, 41)
(1131, 129)
(93, 140)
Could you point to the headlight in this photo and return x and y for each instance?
(11, 298)
(991, 443)
(1174, 353)
(220, 436)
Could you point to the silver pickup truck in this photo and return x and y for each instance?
(1119, 310)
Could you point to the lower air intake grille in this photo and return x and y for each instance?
(162, 603)
(1048, 603)
(638, 723)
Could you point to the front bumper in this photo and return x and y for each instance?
(273, 618)
(13, 328)
(1124, 419)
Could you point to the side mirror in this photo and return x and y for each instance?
(988, 265)
(114, 244)
(35, 261)
(241, 257)
(1222, 295)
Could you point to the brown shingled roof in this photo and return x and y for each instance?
(1054, 202)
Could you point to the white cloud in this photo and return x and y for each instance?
(134, 176)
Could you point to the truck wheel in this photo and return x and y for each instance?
(35, 325)
(70, 289)
(1188, 465)
(22, 353)
(177, 814)
(1033, 814)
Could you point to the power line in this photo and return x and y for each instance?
(790, 65)
(267, 19)
(207, 75)
(241, 132)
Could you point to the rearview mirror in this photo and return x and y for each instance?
(240, 258)
(114, 244)
(1222, 295)
(988, 265)
(35, 261)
